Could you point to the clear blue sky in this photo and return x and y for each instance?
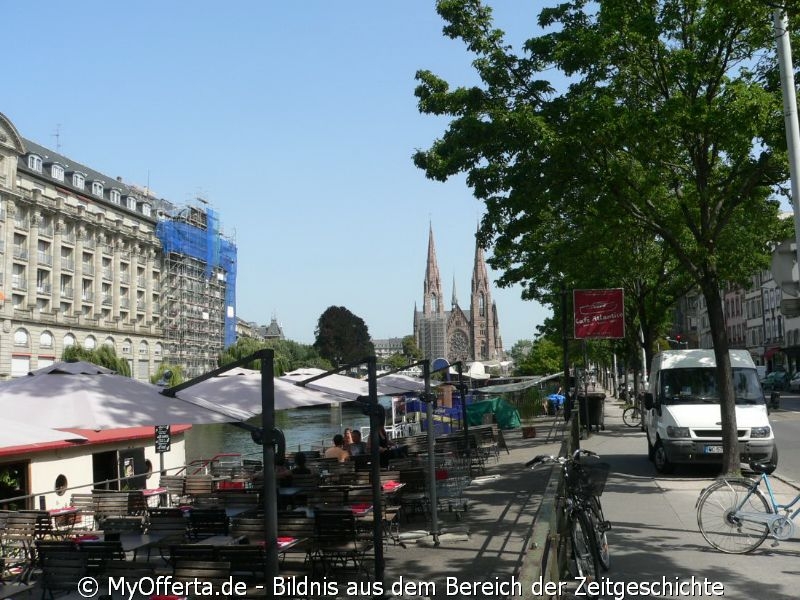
(295, 120)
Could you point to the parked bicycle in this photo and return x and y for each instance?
(586, 524)
(632, 416)
(735, 516)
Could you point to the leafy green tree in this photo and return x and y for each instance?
(342, 337)
(105, 356)
(289, 355)
(177, 374)
(543, 358)
(669, 132)
(520, 350)
(410, 348)
(396, 361)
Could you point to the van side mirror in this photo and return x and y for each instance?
(648, 400)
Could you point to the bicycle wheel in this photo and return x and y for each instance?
(600, 527)
(719, 523)
(584, 549)
(632, 416)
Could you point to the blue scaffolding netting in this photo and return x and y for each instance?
(208, 245)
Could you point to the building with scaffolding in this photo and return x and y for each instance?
(198, 287)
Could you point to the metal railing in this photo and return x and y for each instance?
(546, 559)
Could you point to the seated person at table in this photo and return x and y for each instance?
(388, 448)
(337, 450)
(300, 467)
(357, 447)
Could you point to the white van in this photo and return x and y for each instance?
(682, 416)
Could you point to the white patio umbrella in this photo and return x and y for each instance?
(240, 389)
(26, 434)
(352, 388)
(85, 396)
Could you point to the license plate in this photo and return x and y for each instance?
(713, 449)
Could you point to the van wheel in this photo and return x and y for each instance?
(662, 463)
(651, 452)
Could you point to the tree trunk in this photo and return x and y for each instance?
(719, 336)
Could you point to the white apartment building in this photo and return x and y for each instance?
(81, 262)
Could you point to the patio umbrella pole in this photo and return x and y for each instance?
(426, 370)
(462, 390)
(375, 422)
(270, 485)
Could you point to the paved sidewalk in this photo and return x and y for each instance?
(654, 536)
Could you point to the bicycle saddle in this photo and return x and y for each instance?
(763, 466)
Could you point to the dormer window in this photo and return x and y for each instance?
(78, 180)
(131, 203)
(146, 209)
(57, 172)
(35, 163)
(114, 196)
(97, 188)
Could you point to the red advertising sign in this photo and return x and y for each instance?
(599, 314)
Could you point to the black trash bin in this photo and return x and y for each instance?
(590, 409)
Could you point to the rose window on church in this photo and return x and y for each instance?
(459, 347)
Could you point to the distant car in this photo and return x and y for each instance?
(777, 380)
(794, 384)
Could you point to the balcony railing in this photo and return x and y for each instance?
(43, 288)
(67, 264)
(45, 258)
(106, 300)
(87, 297)
(124, 303)
(46, 230)
(22, 223)
(89, 242)
(107, 274)
(124, 277)
(68, 236)
(88, 269)
(66, 293)
(19, 283)
(21, 252)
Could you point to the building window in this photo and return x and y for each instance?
(57, 172)
(35, 163)
(114, 196)
(130, 202)
(90, 343)
(78, 180)
(61, 485)
(21, 338)
(146, 210)
(143, 347)
(69, 340)
(126, 346)
(97, 188)
(46, 340)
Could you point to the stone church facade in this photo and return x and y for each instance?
(457, 334)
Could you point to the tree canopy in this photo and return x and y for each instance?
(342, 337)
(105, 356)
(666, 138)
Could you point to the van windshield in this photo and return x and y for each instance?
(699, 385)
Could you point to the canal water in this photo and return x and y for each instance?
(302, 427)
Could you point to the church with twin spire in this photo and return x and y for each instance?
(457, 334)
